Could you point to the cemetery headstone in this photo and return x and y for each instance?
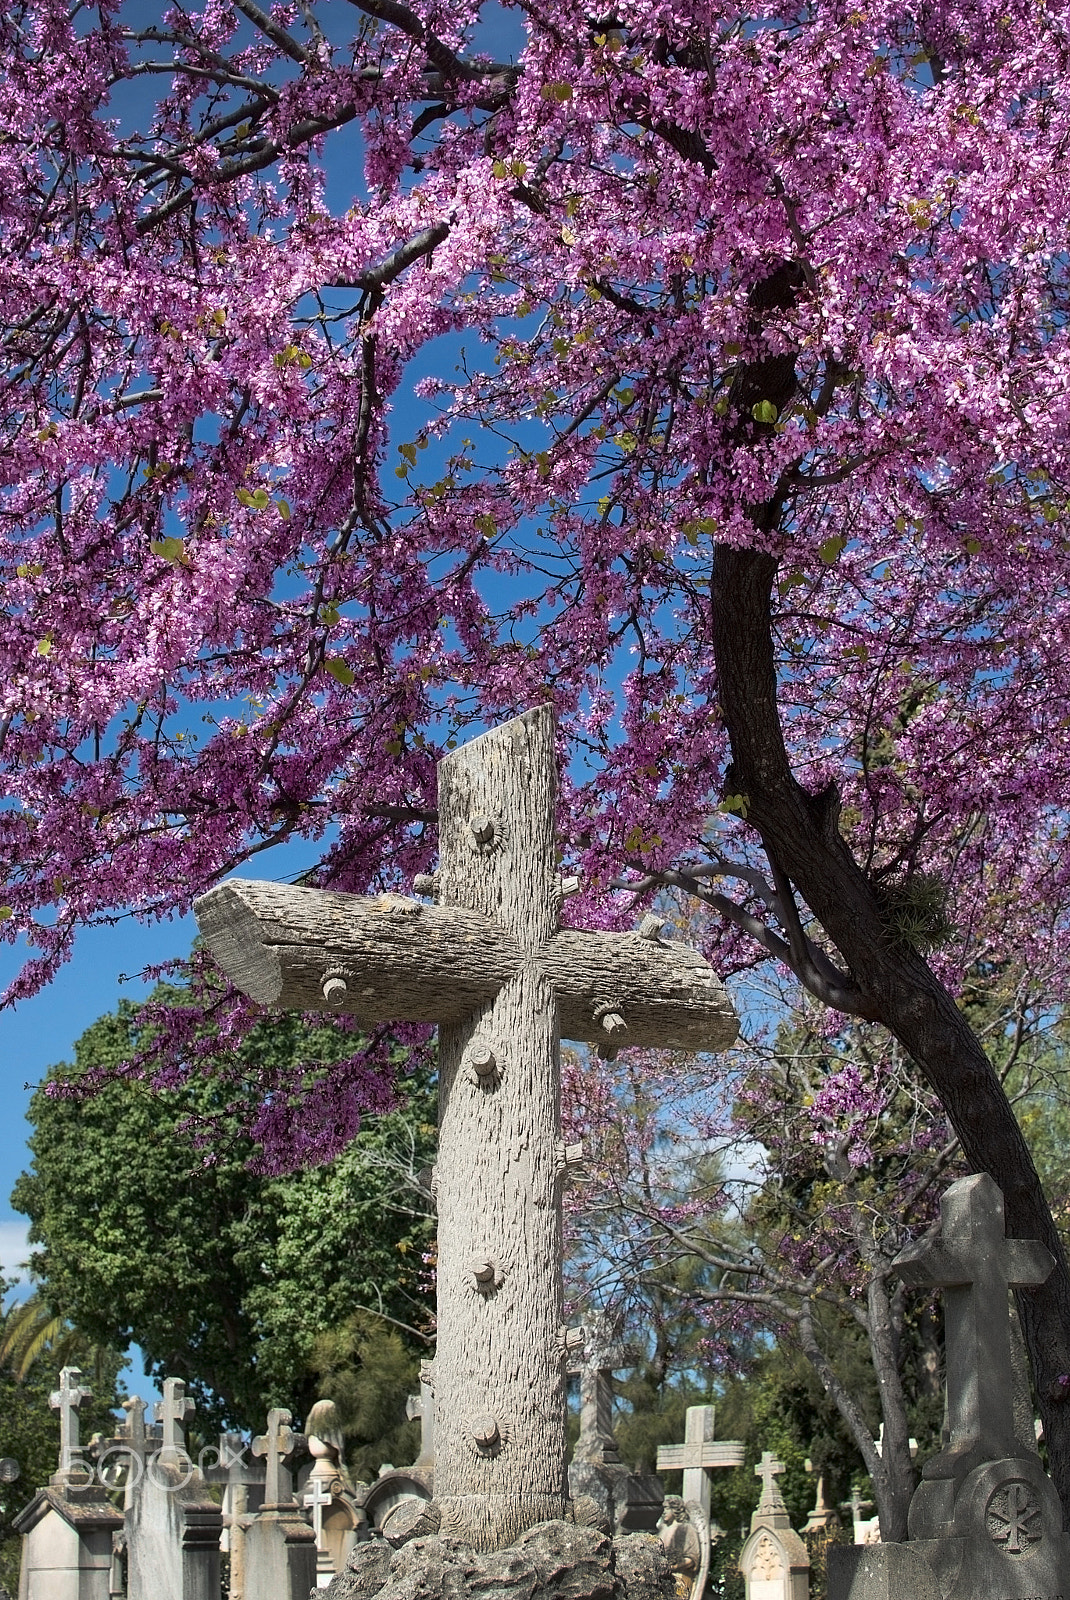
(774, 1560)
(422, 1406)
(172, 1524)
(280, 1546)
(985, 1521)
(67, 1528)
(490, 964)
(242, 1479)
(327, 1495)
(699, 1456)
(628, 1502)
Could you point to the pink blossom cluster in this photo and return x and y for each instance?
(254, 582)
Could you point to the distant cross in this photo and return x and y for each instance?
(132, 1431)
(769, 1469)
(172, 1412)
(597, 1441)
(279, 1442)
(66, 1400)
(316, 1498)
(489, 963)
(422, 1405)
(976, 1264)
(699, 1456)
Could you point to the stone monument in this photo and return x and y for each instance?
(327, 1494)
(985, 1521)
(67, 1528)
(628, 1502)
(172, 1524)
(699, 1456)
(280, 1546)
(774, 1561)
(488, 962)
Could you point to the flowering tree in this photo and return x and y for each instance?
(755, 461)
(778, 1202)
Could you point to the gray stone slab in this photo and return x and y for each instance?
(881, 1572)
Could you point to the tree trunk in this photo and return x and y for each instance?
(800, 833)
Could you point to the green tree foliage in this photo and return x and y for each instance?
(222, 1275)
(369, 1371)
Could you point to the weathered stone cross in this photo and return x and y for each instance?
(700, 1455)
(976, 1264)
(66, 1400)
(279, 1442)
(597, 1441)
(316, 1498)
(172, 1412)
(488, 963)
(769, 1469)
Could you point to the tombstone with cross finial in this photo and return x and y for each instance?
(68, 1526)
(172, 1524)
(774, 1561)
(985, 1519)
(490, 963)
(626, 1501)
(280, 1546)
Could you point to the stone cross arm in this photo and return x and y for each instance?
(394, 959)
(711, 1453)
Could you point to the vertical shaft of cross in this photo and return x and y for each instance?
(975, 1264)
(66, 1400)
(499, 1369)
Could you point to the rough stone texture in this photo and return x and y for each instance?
(880, 1572)
(402, 960)
(552, 1561)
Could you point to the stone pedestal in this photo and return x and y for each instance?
(280, 1556)
(629, 1502)
(173, 1530)
(67, 1544)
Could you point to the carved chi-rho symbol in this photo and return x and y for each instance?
(491, 966)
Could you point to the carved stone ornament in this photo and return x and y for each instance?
(767, 1562)
(1013, 1517)
(487, 1435)
(484, 1274)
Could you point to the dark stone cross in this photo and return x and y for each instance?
(976, 1265)
(491, 965)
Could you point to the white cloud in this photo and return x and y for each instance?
(14, 1249)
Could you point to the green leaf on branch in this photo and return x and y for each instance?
(764, 411)
(559, 92)
(830, 550)
(340, 670)
(169, 549)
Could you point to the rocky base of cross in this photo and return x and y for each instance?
(558, 1559)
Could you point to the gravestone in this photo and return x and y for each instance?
(280, 1547)
(422, 1406)
(774, 1561)
(490, 964)
(242, 1482)
(628, 1502)
(67, 1528)
(172, 1524)
(699, 1456)
(326, 1492)
(861, 1527)
(985, 1521)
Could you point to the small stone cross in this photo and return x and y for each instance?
(279, 1442)
(66, 1400)
(699, 1456)
(769, 1469)
(490, 963)
(976, 1264)
(316, 1498)
(172, 1412)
